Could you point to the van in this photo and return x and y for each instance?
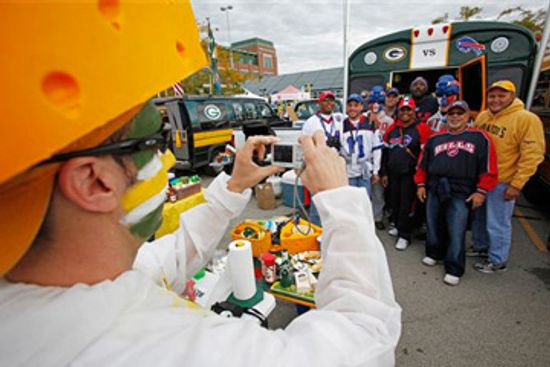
(203, 125)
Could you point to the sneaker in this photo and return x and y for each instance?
(401, 244)
(488, 267)
(379, 225)
(475, 253)
(393, 232)
(428, 261)
(451, 279)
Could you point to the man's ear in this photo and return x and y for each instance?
(92, 183)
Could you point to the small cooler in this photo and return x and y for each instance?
(288, 189)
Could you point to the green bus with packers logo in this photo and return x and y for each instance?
(476, 53)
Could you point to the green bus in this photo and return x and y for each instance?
(476, 53)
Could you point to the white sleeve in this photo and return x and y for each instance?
(311, 125)
(357, 322)
(378, 144)
(179, 256)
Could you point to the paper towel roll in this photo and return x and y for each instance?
(241, 267)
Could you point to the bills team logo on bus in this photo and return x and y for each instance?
(454, 147)
(468, 44)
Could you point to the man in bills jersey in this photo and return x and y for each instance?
(361, 147)
(404, 140)
(456, 169)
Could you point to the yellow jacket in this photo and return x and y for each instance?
(519, 142)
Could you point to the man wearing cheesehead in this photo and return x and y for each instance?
(81, 188)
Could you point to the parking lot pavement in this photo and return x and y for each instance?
(487, 320)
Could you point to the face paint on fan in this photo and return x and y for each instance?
(143, 201)
(375, 107)
(445, 101)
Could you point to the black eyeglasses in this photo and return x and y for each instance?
(158, 141)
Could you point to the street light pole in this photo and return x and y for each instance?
(226, 9)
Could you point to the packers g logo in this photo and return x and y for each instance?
(394, 54)
(212, 112)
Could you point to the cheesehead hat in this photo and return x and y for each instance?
(72, 74)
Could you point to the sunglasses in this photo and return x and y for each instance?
(157, 141)
(456, 113)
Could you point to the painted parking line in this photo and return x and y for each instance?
(537, 241)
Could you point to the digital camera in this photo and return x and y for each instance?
(287, 155)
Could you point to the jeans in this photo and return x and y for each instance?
(445, 241)
(480, 236)
(361, 182)
(499, 224)
(314, 214)
(378, 201)
(403, 196)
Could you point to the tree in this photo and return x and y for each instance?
(443, 19)
(467, 12)
(532, 20)
(231, 79)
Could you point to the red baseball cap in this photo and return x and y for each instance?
(407, 102)
(326, 94)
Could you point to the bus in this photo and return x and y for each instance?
(476, 53)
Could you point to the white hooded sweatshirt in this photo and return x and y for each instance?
(134, 321)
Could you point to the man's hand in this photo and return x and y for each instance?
(476, 199)
(325, 169)
(421, 193)
(246, 173)
(385, 181)
(375, 179)
(511, 193)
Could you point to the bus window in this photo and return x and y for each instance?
(238, 108)
(264, 110)
(206, 114)
(512, 73)
(250, 110)
(362, 83)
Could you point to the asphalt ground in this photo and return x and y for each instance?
(491, 320)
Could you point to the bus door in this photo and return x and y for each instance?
(472, 76)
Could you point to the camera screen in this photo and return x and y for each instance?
(282, 153)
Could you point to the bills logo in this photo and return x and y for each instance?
(468, 44)
(454, 147)
(400, 142)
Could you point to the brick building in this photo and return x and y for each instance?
(257, 56)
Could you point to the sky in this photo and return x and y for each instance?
(308, 34)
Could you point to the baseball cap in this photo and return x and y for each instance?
(326, 94)
(503, 84)
(460, 104)
(407, 102)
(355, 97)
(392, 91)
(59, 102)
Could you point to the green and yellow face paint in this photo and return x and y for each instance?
(143, 202)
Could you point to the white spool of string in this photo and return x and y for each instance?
(241, 268)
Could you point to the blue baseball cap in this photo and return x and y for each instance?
(392, 91)
(459, 104)
(355, 97)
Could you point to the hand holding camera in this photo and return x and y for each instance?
(325, 169)
(246, 173)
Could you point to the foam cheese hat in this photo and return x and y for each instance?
(71, 75)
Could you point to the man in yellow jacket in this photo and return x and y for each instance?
(519, 142)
